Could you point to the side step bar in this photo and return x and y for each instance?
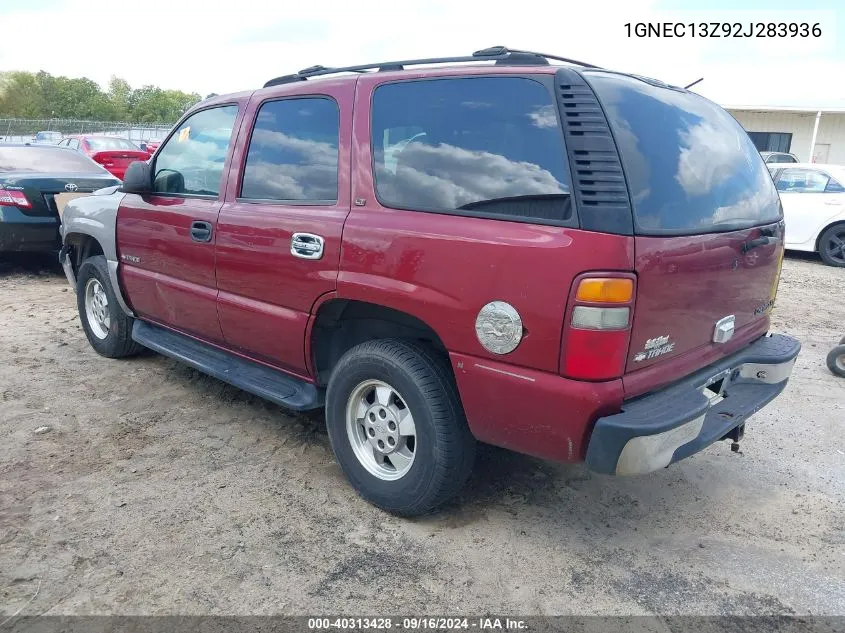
(247, 375)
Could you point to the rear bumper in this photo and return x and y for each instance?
(661, 428)
(20, 232)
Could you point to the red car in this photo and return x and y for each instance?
(113, 153)
(565, 261)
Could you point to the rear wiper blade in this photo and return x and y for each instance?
(532, 197)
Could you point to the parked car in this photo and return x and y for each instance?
(113, 153)
(149, 146)
(494, 282)
(35, 183)
(47, 138)
(813, 198)
(779, 157)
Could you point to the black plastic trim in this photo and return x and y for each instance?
(598, 180)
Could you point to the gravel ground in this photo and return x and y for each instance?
(144, 487)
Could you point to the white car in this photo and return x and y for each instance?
(813, 198)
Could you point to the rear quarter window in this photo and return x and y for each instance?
(690, 167)
(482, 146)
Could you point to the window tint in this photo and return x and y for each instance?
(802, 181)
(690, 167)
(46, 159)
(293, 151)
(486, 145)
(191, 162)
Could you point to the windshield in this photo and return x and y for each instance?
(106, 143)
(690, 166)
(46, 160)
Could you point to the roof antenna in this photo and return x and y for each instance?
(693, 83)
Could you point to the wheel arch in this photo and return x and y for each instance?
(825, 228)
(341, 324)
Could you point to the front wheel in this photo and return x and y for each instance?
(107, 326)
(397, 427)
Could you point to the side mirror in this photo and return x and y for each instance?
(138, 178)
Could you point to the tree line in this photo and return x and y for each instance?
(42, 96)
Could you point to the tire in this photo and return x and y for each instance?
(832, 245)
(359, 413)
(842, 341)
(107, 326)
(836, 360)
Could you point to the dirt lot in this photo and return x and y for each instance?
(143, 487)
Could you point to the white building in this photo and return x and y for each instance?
(812, 134)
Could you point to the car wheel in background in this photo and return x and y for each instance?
(107, 326)
(836, 360)
(832, 245)
(397, 426)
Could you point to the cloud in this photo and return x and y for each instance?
(446, 177)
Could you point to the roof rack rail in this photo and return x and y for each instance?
(500, 54)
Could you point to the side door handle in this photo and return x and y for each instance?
(200, 231)
(307, 245)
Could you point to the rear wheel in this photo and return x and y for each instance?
(107, 326)
(836, 360)
(397, 427)
(832, 245)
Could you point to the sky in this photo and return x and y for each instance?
(206, 46)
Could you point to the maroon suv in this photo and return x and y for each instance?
(562, 260)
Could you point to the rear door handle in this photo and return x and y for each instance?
(201, 231)
(307, 245)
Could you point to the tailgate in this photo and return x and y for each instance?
(708, 228)
(688, 285)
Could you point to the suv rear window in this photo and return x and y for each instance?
(488, 146)
(690, 166)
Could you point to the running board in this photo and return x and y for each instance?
(250, 376)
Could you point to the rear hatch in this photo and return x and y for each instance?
(708, 228)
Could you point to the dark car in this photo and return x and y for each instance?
(566, 261)
(34, 181)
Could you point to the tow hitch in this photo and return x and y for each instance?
(735, 435)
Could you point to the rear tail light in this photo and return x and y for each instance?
(103, 159)
(13, 198)
(598, 328)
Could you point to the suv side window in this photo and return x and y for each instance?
(73, 143)
(802, 181)
(293, 152)
(191, 162)
(483, 146)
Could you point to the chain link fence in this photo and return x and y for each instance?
(24, 130)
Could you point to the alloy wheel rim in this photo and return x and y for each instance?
(836, 246)
(381, 430)
(97, 308)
